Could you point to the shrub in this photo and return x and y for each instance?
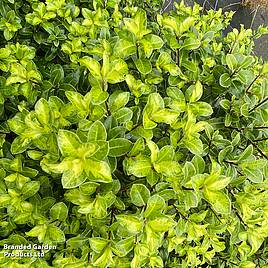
(130, 138)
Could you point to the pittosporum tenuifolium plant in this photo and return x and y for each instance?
(131, 138)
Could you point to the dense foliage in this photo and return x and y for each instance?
(131, 138)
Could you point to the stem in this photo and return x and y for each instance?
(111, 222)
(207, 2)
(184, 217)
(235, 210)
(215, 214)
(178, 57)
(169, 4)
(107, 108)
(233, 4)
(254, 144)
(251, 84)
(187, 189)
(136, 126)
(137, 50)
(233, 73)
(254, 16)
(235, 164)
(258, 149)
(260, 127)
(216, 4)
(258, 105)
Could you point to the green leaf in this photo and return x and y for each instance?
(4, 200)
(76, 242)
(124, 48)
(68, 142)
(140, 166)
(166, 63)
(104, 258)
(161, 224)
(123, 115)
(155, 206)
(254, 164)
(254, 175)
(186, 24)
(123, 247)
(246, 154)
(224, 153)
(231, 62)
(166, 153)
(247, 264)
(214, 182)
(30, 188)
(92, 65)
(144, 66)
(154, 104)
(219, 201)
(165, 116)
(38, 231)
(43, 112)
(178, 100)
(225, 80)
(118, 100)
(88, 188)
(139, 194)
(194, 145)
(97, 131)
(100, 170)
(74, 176)
(191, 44)
(47, 234)
(98, 95)
(57, 74)
(194, 92)
(119, 147)
(54, 234)
(255, 240)
(156, 261)
(20, 144)
(168, 168)
(138, 24)
(199, 163)
(151, 42)
(117, 71)
(242, 77)
(201, 108)
(137, 148)
(132, 224)
(59, 211)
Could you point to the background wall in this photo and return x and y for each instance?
(243, 15)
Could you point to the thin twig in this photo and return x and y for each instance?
(233, 4)
(258, 149)
(215, 214)
(258, 105)
(254, 16)
(252, 83)
(107, 108)
(216, 4)
(183, 216)
(235, 209)
(169, 4)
